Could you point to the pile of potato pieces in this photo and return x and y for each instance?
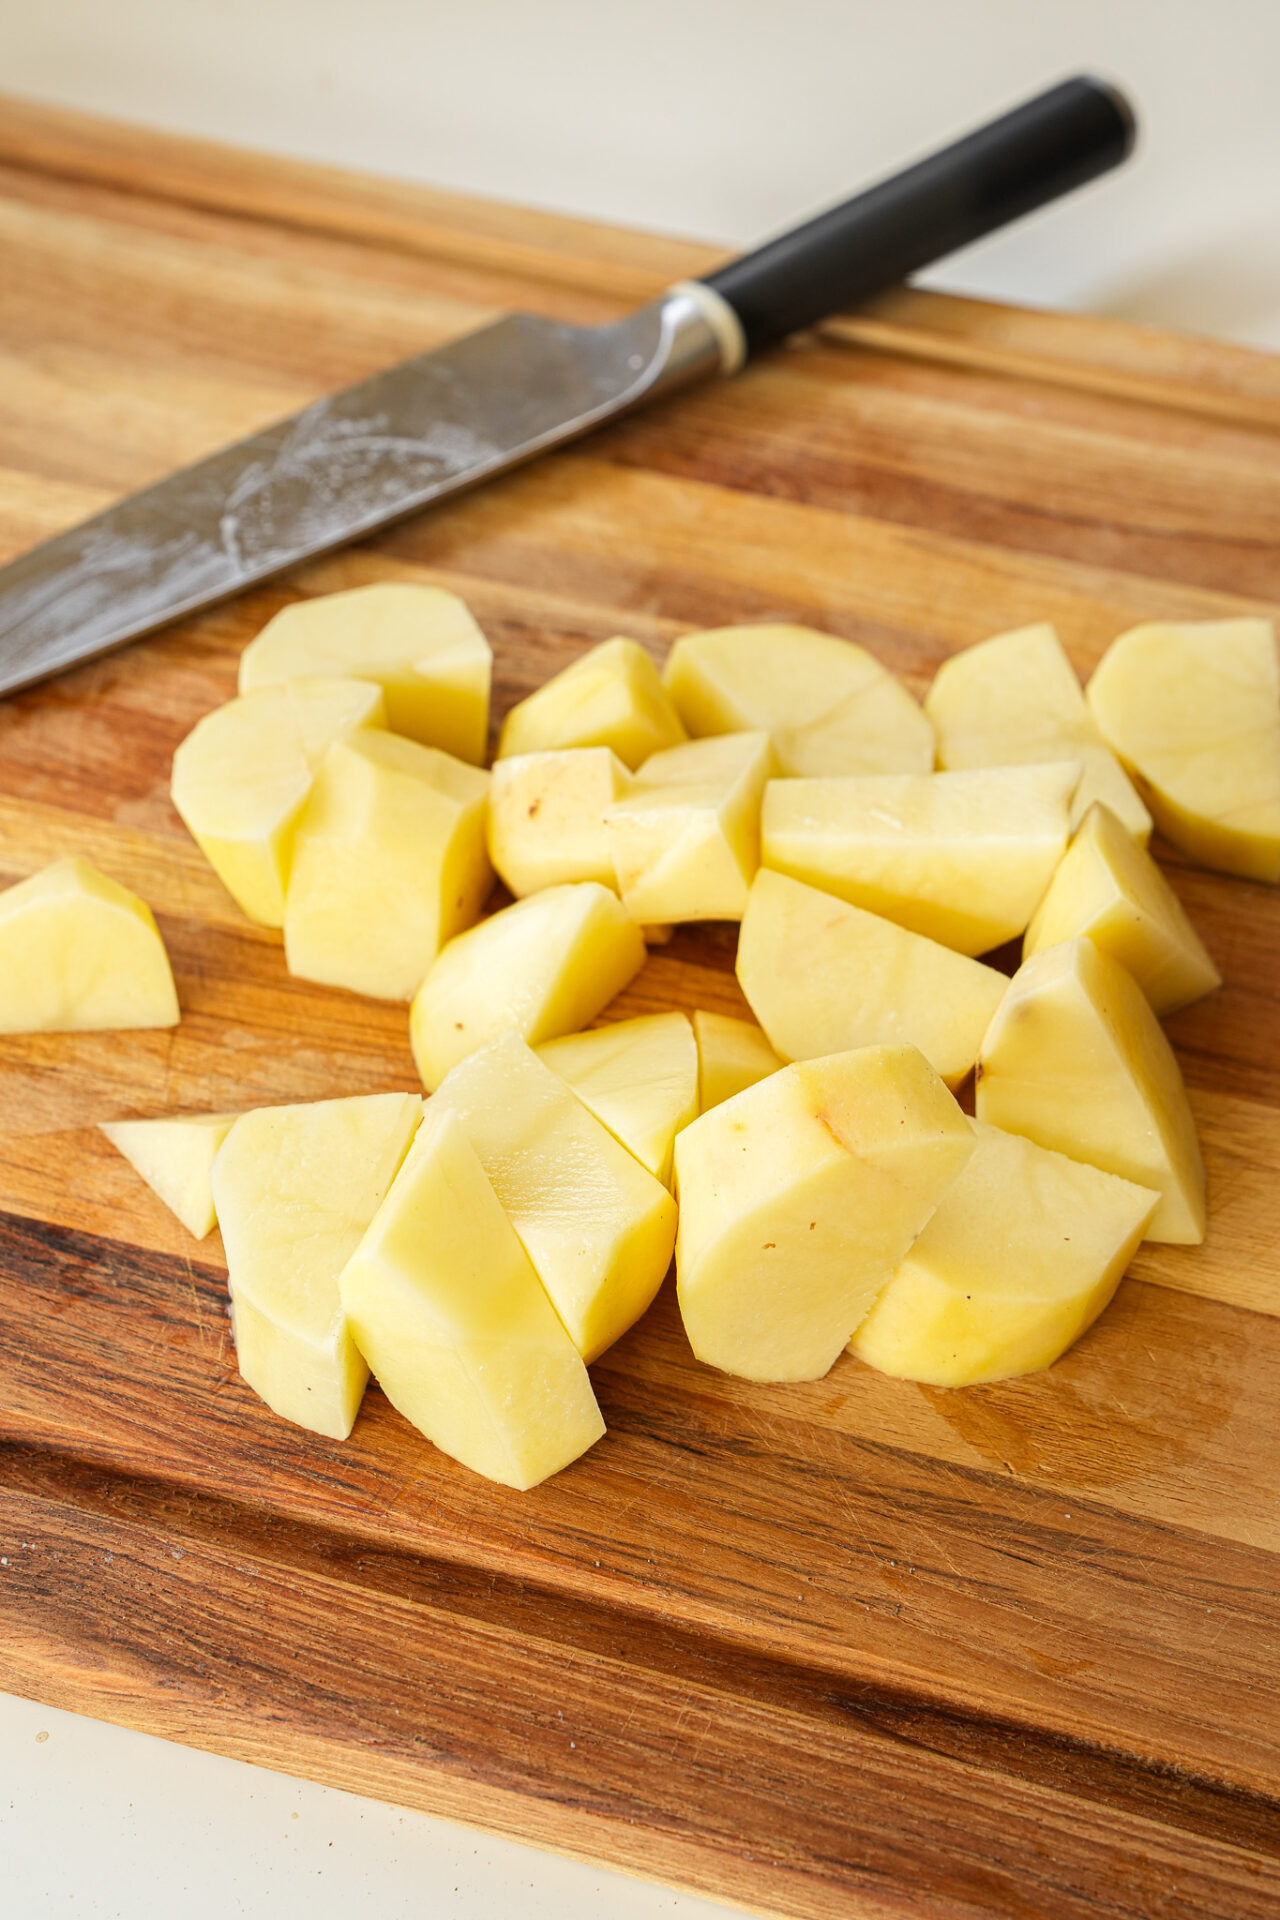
(805, 805)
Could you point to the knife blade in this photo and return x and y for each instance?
(483, 404)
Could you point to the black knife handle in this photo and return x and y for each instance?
(1044, 148)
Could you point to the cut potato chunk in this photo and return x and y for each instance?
(1014, 699)
(389, 862)
(175, 1158)
(1110, 891)
(732, 1055)
(545, 966)
(822, 976)
(830, 706)
(598, 1228)
(242, 775)
(546, 817)
(638, 1077)
(80, 953)
(685, 842)
(799, 1197)
(1025, 1250)
(963, 858)
(419, 644)
(611, 697)
(294, 1189)
(447, 1309)
(1076, 1060)
(1194, 713)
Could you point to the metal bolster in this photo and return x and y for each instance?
(724, 323)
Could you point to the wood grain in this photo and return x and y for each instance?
(851, 1648)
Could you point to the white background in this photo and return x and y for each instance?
(725, 119)
(722, 119)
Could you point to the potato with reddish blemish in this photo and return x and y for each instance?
(1024, 1252)
(822, 976)
(546, 817)
(543, 967)
(799, 1197)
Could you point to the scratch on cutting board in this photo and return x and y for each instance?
(195, 1297)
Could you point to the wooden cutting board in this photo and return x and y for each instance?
(851, 1648)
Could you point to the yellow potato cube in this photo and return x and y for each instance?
(1110, 891)
(1076, 1060)
(175, 1158)
(611, 697)
(545, 966)
(294, 1189)
(419, 644)
(732, 1055)
(822, 976)
(829, 705)
(389, 862)
(598, 1228)
(546, 817)
(963, 858)
(1194, 713)
(799, 1197)
(685, 842)
(638, 1077)
(449, 1313)
(1015, 699)
(1025, 1250)
(242, 775)
(79, 953)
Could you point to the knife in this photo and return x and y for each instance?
(485, 403)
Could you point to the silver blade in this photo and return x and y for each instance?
(338, 470)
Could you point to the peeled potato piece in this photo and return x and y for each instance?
(242, 775)
(963, 858)
(638, 1077)
(1110, 891)
(448, 1311)
(80, 953)
(545, 966)
(389, 862)
(822, 976)
(1025, 1250)
(799, 1197)
(598, 1228)
(175, 1158)
(1076, 1060)
(546, 817)
(1015, 698)
(610, 697)
(732, 1055)
(294, 1189)
(685, 841)
(1194, 713)
(829, 705)
(418, 643)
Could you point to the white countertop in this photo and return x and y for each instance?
(707, 117)
(102, 1824)
(729, 119)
